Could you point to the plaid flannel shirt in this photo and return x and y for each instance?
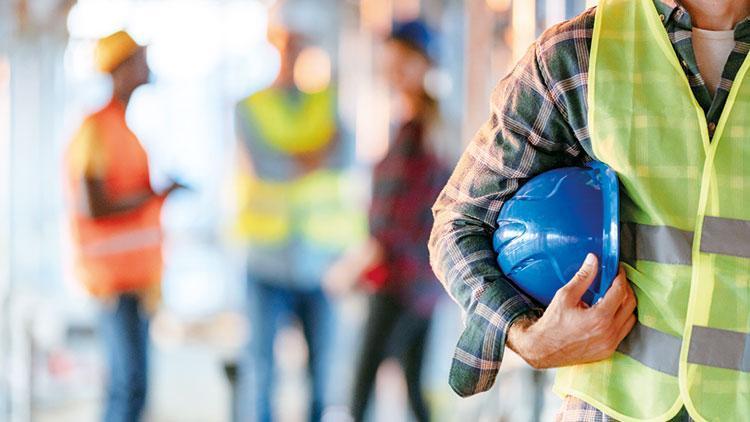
(576, 410)
(538, 122)
(405, 184)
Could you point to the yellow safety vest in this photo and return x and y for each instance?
(685, 218)
(305, 124)
(316, 207)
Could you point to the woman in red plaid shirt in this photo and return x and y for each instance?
(395, 262)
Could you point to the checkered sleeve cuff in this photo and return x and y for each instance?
(480, 348)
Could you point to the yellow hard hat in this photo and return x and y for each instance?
(112, 50)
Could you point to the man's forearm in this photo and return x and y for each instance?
(101, 205)
(517, 338)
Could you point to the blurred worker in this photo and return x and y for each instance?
(116, 226)
(395, 260)
(295, 218)
(658, 90)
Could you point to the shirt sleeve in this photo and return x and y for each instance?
(526, 134)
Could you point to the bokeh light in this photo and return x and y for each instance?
(499, 5)
(312, 70)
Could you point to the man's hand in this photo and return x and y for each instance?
(570, 332)
(174, 186)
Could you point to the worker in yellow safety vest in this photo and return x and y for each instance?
(659, 91)
(115, 224)
(296, 215)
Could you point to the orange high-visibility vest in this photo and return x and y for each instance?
(118, 253)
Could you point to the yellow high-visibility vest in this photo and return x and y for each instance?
(293, 126)
(685, 228)
(316, 207)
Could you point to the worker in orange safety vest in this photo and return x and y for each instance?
(115, 221)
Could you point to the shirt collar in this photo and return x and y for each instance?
(670, 11)
(673, 12)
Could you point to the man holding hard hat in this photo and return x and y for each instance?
(655, 89)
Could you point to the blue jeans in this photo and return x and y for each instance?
(124, 330)
(270, 307)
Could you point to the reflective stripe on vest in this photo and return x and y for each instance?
(708, 346)
(318, 208)
(123, 242)
(670, 245)
(685, 231)
(653, 348)
(726, 236)
(720, 348)
(663, 244)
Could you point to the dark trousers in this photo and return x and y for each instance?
(391, 330)
(125, 334)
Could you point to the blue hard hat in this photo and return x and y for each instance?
(418, 35)
(546, 229)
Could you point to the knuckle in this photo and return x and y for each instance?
(601, 326)
(632, 304)
(600, 312)
(561, 294)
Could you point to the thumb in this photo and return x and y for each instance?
(576, 287)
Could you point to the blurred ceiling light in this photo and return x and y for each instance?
(312, 70)
(183, 35)
(376, 15)
(501, 6)
(94, 19)
(406, 10)
(184, 39)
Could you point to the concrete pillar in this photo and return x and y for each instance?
(30, 182)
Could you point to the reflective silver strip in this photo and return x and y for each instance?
(719, 348)
(726, 236)
(653, 348)
(125, 242)
(662, 244)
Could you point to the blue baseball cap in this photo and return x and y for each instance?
(418, 35)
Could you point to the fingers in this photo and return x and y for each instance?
(576, 287)
(626, 308)
(615, 296)
(625, 329)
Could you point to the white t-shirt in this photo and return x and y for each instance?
(712, 49)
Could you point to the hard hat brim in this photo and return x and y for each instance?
(610, 255)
